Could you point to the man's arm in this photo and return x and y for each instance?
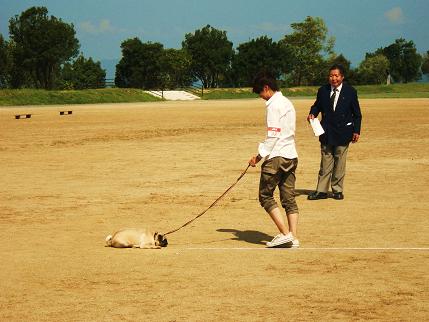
(315, 109)
(357, 117)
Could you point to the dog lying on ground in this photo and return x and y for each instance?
(136, 238)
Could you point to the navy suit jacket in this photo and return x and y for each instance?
(339, 125)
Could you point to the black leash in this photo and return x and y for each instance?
(226, 191)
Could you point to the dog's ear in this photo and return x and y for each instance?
(155, 238)
(162, 240)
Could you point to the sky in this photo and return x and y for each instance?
(359, 26)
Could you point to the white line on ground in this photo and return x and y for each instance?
(315, 248)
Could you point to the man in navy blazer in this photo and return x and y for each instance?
(341, 120)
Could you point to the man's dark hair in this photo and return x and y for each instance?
(263, 79)
(339, 67)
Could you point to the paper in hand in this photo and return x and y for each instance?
(317, 128)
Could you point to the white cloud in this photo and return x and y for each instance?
(395, 15)
(104, 26)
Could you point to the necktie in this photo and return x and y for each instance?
(333, 99)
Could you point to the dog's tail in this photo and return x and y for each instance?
(109, 241)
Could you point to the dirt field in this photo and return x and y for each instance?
(68, 181)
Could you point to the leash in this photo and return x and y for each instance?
(221, 196)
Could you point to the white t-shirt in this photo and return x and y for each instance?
(281, 118)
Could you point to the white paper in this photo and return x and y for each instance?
(317, 128)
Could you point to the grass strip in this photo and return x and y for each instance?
(20, 97)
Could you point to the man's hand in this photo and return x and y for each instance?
(355, 137)
(310, 117)
(254, 160)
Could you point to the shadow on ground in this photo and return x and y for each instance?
(300, 192)
(249, 236)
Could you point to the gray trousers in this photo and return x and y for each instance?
(332, 168)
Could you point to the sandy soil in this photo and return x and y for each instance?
(68, 181)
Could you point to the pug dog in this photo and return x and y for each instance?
(136, 238)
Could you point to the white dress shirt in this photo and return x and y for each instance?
(337, 95)
(281, 118)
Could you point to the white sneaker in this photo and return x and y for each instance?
(281, 239)
(295, 243)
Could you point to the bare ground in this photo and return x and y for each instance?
(68, 181)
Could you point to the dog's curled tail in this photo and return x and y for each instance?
(109, 241)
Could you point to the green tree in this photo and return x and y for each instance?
(175, 65)
(4, 63)
(210, 52)
(374, 69)
(18, 75)
(256, 55)
(308, 45)
(41, 44)
(404, 60)
(140, 65)
(83, 73)
(425, 63)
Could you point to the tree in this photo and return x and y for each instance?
(83, 73)
(374, 69)
(18, 75)
(175, 66)
(41, 44)
(261, 54)
(425, 63)
(210, 52)
(404, 60)
(140, 65)
(11, 74)
(4, 63)
(307, 45)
